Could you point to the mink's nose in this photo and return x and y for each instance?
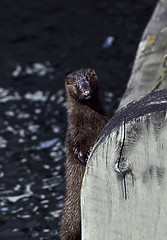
(86, 92)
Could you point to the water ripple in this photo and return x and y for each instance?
(31, 157)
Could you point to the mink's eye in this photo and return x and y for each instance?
(76, 87)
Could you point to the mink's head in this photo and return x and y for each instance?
(82, 84)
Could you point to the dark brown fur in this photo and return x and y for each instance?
(85, 122)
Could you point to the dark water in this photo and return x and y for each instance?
(40, 43)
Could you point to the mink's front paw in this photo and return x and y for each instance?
(81, 156)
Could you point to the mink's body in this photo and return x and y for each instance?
(85, 121)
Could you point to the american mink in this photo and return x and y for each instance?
(85, 121)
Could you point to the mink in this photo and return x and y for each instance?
(86, 118)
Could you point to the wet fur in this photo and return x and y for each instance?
(85, 121)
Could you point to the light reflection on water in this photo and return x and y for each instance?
(31, 160)
(39, 69)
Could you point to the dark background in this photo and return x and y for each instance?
(40, 43)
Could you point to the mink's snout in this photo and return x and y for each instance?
(85, 89)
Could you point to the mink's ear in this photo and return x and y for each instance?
(92, 73)
(69, 80)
